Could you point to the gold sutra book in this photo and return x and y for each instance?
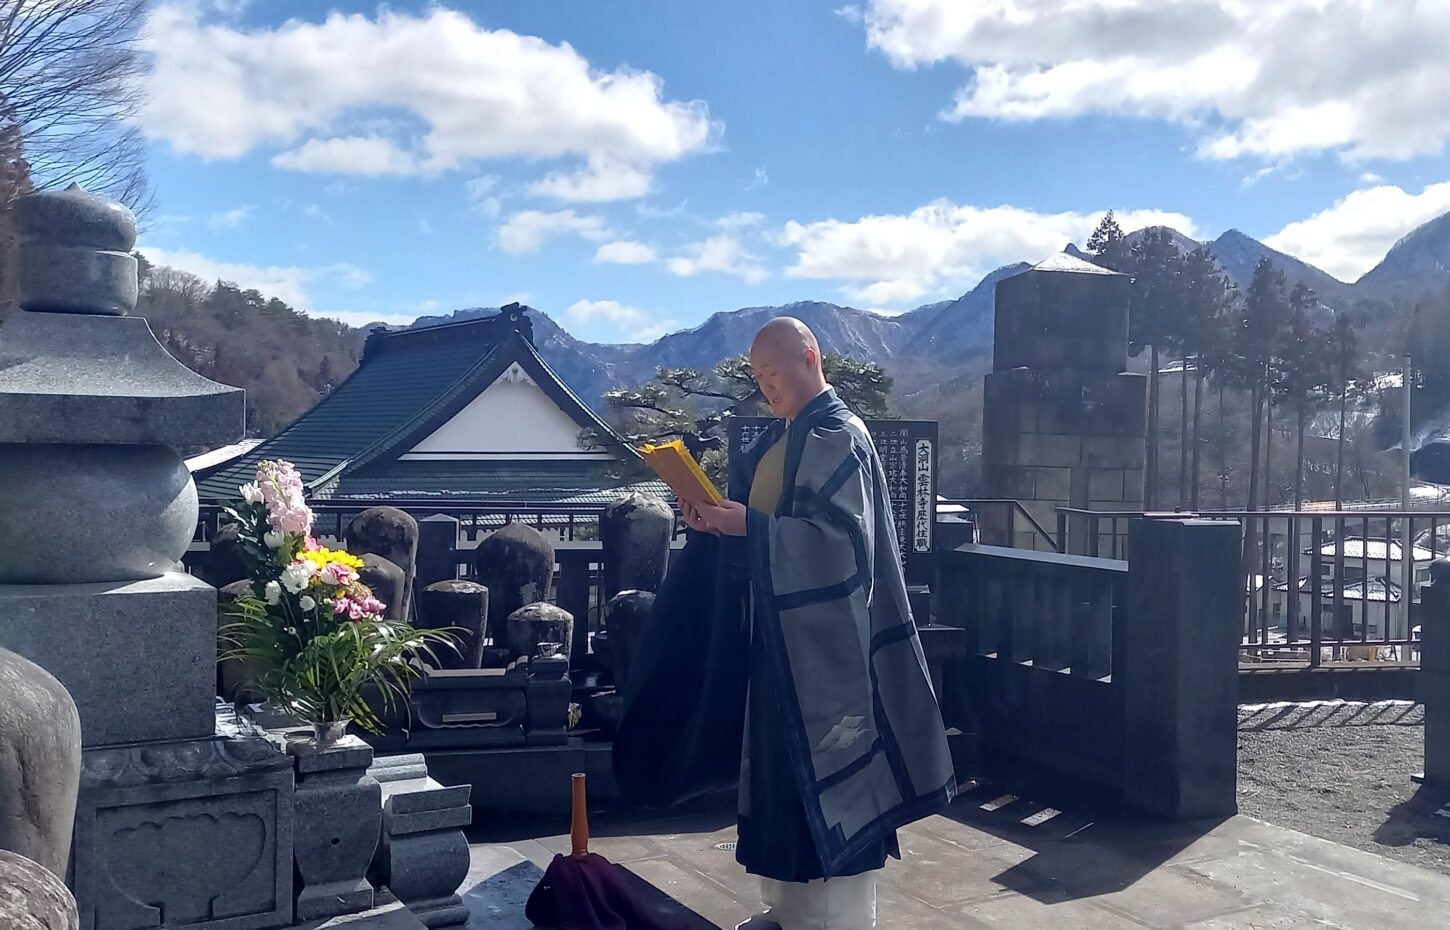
(678, 469)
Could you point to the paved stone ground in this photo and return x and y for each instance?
(999, 861)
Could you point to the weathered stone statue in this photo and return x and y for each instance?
(533, 628)
(462, 606)
(389, 584)
(392, 534)
(624, 617)
(33, 898)
(40, 764)
(635, 534)
(516, 564)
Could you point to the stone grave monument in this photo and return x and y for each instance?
(181, 819)
(173, 824)
(1062, 420)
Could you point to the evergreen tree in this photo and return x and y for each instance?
(1346, 376)
(1109, 247)
(1155, 306)
(1207, 298)
(1300, 371)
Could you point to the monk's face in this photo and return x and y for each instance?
(787, 375)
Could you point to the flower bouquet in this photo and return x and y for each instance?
(312, 633)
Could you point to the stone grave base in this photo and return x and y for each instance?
(392, 916)
(526, 779)
(190, 832)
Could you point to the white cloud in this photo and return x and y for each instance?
(625, 252)
(1369, 177)
(1362, 78)
(369, 155)
(633, 323)
(288, 283)
(722, 253)
(229, 219)
(740, 220)
(940, 248)
(481, 197)
(526, 231)
(424, 227)
(315, 212)
(1350, 237)
(598, 181)
(454, 91)
(759, 180)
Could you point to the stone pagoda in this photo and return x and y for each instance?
(175, 824)
(1062, 419)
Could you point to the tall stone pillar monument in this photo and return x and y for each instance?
(175, 824)
(1062, 421)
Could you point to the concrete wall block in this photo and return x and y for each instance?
(1113, 451)
(1049, 450)
(1105, 484)
(1051, 483)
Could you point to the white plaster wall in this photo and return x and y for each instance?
(511, 419)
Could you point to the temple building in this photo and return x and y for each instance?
(462, 411)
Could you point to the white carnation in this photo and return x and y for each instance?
(274, 593)
(251, 493)
(296, 576)
(306, 602)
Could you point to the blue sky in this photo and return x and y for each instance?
(632, 167)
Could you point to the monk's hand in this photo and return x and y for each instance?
(693, 519)
(727, 518)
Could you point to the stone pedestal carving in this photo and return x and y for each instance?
(1062, 421)
(526, 703)
(635, 533)
(196, 833)
(423, 857)
(463, 607)
(32, 898)
(531, 627)
(337, 822)
(516, 564)
(392, 534)
(40, 761)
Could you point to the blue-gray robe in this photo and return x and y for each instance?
(839, 659)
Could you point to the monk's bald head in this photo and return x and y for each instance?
(786, 361)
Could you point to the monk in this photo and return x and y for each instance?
(783, 629)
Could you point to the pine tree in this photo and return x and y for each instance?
(1109, 247)
(1346, 377)
(1207, 297)
(1155, 304)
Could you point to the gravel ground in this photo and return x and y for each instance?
(1342, 772)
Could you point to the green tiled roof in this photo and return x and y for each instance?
(564, 482)
(407, 384)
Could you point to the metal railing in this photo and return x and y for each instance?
(1322, 583)
(999, 520)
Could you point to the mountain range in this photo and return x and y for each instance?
(921, 346)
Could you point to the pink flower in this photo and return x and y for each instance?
(338, 574)
(284, 496)
(311, 545)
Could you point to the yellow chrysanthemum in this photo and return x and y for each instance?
(322, 557)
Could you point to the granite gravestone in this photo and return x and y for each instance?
(174, 823)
